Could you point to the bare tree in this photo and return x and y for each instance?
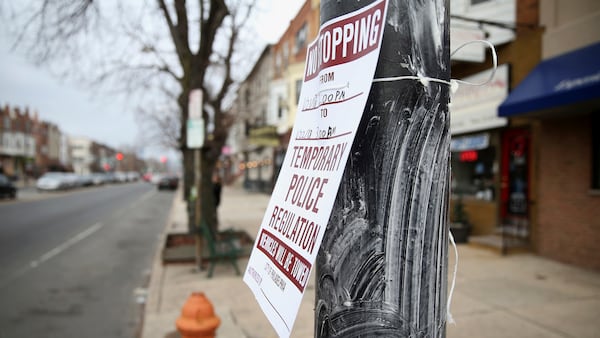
(156, 51)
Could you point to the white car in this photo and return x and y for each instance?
(52, 181)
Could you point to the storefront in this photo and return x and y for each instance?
(476, 149)
(515, 197)
(551, 175)
(258, 162)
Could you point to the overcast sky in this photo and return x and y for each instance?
(98, 117)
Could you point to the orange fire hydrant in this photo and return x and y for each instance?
(198, 319)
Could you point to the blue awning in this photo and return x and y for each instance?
(568, 79)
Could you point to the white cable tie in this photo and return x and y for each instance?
(449, 317)
(423, 79)
(453, 83)
(494, 62)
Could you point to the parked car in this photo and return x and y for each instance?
(133, 176)
(86, 180)
(168, 182)
(99, 178)
(7, 188)
(54, 181)
(156, 177)
(120, 177)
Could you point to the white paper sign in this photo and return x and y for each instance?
(195, 104)
(195, 133)
(339, 70)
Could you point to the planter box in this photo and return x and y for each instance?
(181, 247)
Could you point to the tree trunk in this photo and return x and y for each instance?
(209, 210)
(382, 267)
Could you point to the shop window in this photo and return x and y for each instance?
(473, 173)
(596, 151)
(247, 127)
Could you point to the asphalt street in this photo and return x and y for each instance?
(75, 264)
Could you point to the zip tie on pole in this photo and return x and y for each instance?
(453, 83)
(449, 317)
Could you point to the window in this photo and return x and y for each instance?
(596, 151)
(476, 2)
(286, 54)
(298, 89)
(247, 128)
(280, 104)
(473, 173)
(300, 39)
(277, 62)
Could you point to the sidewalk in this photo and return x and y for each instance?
(520, 295)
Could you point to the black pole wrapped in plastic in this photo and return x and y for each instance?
(382, 267)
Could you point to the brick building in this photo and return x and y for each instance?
(267, 100)
(48, 140)
(481, 138)
(17, 144)
(30, 147)
(557, 105)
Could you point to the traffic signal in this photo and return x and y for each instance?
(119, 156)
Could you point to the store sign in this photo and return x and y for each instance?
(264, 136)
(469, 156)
(195, 104)
(472, 142)
(195, 122)
(340, 66)
(195, 133)
(474, 108)
(471, 16)
(473, 52)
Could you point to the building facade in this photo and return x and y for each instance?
(48, 139)
(527, 174)
(29, 147)
(252, 137)
(17, 143)
(481, 140)
(557, 107)
(266, 103)
(81, 154)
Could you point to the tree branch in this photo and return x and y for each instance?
(179, 40)
(208, 31)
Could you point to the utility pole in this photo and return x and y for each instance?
(382, 266)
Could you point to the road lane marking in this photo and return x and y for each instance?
(70, 242)
(120, 212)
(52, 253)
(64, 246)
(143, 198)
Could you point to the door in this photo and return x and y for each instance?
(515, 186)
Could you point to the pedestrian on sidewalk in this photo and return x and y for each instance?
(217, 187)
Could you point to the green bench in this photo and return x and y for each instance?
(224, 247)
